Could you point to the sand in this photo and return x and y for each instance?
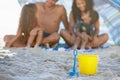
(41, 64)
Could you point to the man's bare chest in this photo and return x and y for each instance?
(45, 18)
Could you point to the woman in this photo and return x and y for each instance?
(79, 10)
(28, 33)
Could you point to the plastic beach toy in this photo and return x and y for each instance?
(88, 63)
(74, 71)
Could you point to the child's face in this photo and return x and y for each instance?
(86, 18)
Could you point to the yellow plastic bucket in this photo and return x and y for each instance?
(88, 63)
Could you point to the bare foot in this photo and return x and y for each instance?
(47, 45)
(74, 47)
(36, 46)
(27, 47)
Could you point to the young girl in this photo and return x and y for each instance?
(85, 29)
(29, 33)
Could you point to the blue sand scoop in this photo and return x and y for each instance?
(74, 71)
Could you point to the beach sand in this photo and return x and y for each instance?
(41, 64)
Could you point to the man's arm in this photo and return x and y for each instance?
(71, 23)
(64, 18)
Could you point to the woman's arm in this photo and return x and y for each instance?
(95, 37)
(9, 44)
(96, 25)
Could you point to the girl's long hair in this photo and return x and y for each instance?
(77, 13)
(27, 19)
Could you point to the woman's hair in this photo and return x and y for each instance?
(77, 13)
(94, 15)
(27, 19)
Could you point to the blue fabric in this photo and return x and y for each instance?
(60, 45)
(116, 2)
(111, 18)
(45, 34)
(65, 47)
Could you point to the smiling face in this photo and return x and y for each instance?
(50, 3)
(81, 4)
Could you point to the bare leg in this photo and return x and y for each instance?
(52, 39)
(47, 45)
(103, 39)
(100, 41)
(85, 39)
(39, 38)
(18, 43)
(70, 39)
(83, 44)
(7, 38)
(32, 37)
(77, 42)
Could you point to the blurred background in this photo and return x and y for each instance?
(109, 12)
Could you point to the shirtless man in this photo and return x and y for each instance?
(49, 16)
